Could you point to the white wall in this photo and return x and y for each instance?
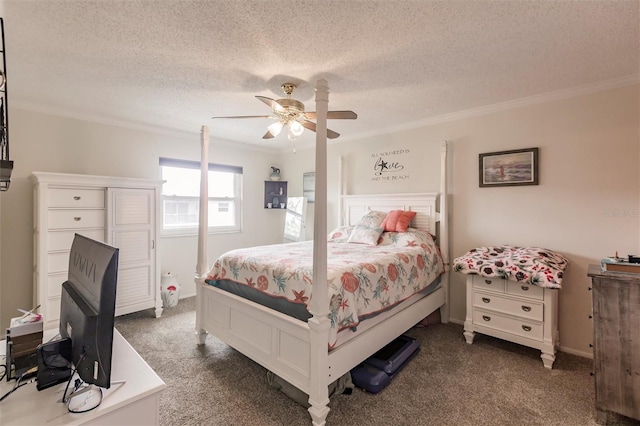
(586, 206)
(43, 142)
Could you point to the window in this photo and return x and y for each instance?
(181, 193)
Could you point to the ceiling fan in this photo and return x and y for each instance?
(290, 113)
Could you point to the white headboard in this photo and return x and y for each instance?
(424, 204)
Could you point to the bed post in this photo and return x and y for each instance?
(341, 191)
(319, 305)
(203, 226)
(444, 229)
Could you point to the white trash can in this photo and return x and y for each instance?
(169, 290)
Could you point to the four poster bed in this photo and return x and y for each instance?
(355, 298)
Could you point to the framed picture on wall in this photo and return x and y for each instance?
(309, 186)
(509, 168)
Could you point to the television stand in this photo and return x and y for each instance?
(135, 401)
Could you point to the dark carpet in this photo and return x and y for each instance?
(449, 382)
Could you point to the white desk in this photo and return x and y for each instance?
(136, 402)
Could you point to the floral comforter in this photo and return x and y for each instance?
(533, 265)
(362, 279)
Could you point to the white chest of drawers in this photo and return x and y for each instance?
(122, 212)
(521, 313)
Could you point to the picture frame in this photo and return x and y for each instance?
(509, 168)
(309, 186)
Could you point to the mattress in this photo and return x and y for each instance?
(363, 280)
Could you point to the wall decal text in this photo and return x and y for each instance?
(388, 167)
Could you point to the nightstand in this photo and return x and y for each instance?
(521, 313)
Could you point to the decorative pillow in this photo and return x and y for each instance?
(365, 235)
(368, 229)
(397, 220)
(340, 234)
(372, 219)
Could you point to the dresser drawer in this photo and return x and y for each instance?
(54, 283)
(58, 262)
(525, 290)
(75, 198)
(52, 309)
(61, 240)
(74, 219)
(527, 310)
(506, 324)
(492, 284)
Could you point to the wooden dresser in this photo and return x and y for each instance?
(616, 343)
(518, 312)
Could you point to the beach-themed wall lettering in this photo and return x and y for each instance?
(389, 165)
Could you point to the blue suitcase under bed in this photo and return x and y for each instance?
(377, 371)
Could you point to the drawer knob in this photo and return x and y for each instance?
(526, 328)
(77, 197)
(77, 218)
(486, 318)
(486, 300)
(487, 282)
(526, 308)
(524, 288)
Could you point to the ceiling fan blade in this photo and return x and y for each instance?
(331, 134)
(312, 126)
(246, 116)
(268, 135)
(333, 115)
(308, 125)
(271, 103)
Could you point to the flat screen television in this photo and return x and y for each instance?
(87, 308)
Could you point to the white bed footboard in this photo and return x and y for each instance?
(281, 343)
(276, 341)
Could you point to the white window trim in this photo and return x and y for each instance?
(193, 230)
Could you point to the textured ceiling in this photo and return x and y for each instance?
(174, 64)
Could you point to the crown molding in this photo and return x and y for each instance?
(130, 125)
(444, 118)
(504, 106)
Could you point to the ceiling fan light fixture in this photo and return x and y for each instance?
(295, 128)
(275, 128)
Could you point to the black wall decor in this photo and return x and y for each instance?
(6, 165)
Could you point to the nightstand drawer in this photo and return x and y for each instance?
(527, 310)
(75, 198)
(506, 324)
(525, 290)
(74, 219)
(492, 284)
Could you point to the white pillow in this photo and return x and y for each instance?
(368, 229)
(340, 234)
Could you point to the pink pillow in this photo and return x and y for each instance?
(397, 221)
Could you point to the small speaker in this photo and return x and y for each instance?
(54, 363)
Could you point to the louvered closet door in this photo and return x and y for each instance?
(131, 228)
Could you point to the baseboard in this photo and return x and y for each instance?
(456, 321)
(575, 352)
